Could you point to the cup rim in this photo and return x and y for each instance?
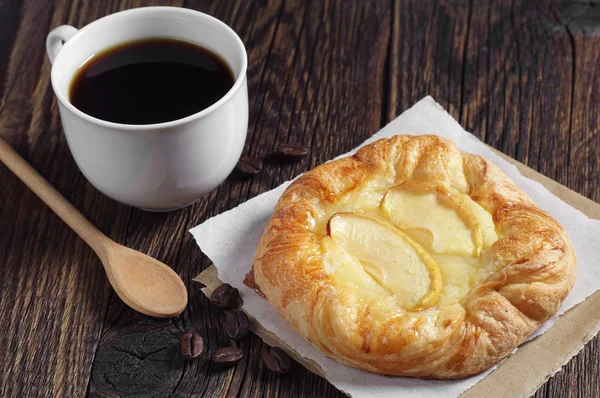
(173, 123)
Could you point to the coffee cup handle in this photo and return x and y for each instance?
(56, 38)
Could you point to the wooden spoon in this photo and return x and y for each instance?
(143, 283)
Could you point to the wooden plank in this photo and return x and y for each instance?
(9, 15)
(581, 22)
(54, 295)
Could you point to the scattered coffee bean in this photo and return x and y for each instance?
(248, 166)
(192, 345)
(236, 324)
(228, 356)
(226, 297)
(276, 360)
(291, 152)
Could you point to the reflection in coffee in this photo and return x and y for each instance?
(150, 81)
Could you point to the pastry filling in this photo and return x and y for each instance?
(416, 245)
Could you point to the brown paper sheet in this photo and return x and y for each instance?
(535, 361)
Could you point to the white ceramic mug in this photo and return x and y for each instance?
(156, 167)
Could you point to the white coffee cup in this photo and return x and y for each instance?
(156, 167)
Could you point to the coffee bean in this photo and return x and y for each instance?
(192, 345)
(291, 152)
(248, 166)
(228, 356)
(236, 324)
(226, 297)
(276, 360)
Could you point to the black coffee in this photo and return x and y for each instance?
(150, 81)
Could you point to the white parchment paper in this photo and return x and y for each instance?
(230, 241)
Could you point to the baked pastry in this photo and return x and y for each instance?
(412, 258)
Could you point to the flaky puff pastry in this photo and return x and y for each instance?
(527, 271)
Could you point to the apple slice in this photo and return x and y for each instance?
(445, 213)
(393, 259)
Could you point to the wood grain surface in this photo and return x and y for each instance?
(522, 75)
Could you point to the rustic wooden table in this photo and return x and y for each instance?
(523, 76)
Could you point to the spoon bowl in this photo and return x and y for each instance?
(144, 283)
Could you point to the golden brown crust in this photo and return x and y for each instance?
(533, 264)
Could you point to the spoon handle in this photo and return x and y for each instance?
(52, 198)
